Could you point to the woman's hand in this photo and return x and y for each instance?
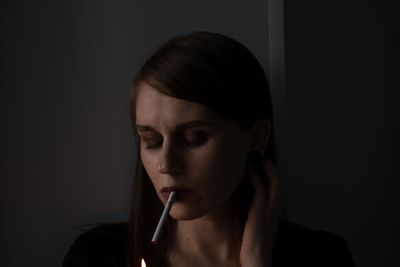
(263, 220)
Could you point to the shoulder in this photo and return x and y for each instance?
(104, 245)
(298, 245)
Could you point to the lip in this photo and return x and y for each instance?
(182, 193)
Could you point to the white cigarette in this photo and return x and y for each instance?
(163, 218)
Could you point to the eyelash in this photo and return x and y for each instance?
(151, 146)
(197, 142)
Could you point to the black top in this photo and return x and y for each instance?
(104, 246)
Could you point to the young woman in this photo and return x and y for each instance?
(203, 117)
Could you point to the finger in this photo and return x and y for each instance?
(260, 193)
(273, 189)
(266, 195)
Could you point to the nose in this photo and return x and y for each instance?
(169, 161)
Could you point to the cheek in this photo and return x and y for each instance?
(224, 168)
(230, 171)
(148, 164)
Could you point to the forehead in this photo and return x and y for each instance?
(156, 109)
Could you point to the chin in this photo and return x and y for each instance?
(184, 213)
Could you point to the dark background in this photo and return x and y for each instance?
(66, 139)
(344, 124)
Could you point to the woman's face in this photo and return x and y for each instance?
(188, 148)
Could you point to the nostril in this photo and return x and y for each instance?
(166, 167)
(177, 171)
(170, 170)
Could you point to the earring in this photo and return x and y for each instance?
(255, 159)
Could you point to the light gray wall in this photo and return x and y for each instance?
(67, 146)
(344, 123)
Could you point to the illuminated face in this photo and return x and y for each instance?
(188, 148)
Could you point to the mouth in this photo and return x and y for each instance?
(182, 193)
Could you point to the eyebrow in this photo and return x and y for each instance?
(189, 124)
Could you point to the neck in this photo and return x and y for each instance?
(212, 237)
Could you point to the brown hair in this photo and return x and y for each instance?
(212, 70)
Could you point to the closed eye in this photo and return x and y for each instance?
(195, 139)
(150, 141)
(188, 138)
(152, 145)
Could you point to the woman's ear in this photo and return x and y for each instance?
(260, 134)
